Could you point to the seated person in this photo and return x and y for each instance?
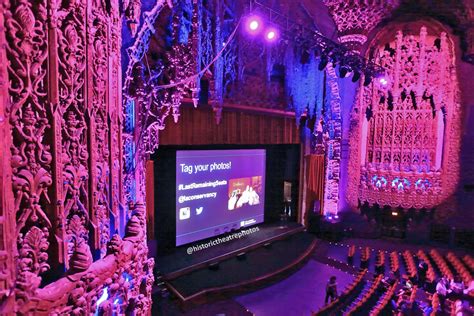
(232, 200)
(254, 199)
(244, 198)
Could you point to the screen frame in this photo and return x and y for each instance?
(164, 186)
(244, 158)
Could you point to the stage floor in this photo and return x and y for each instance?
(180, 262)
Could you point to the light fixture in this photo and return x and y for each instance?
(323, 63)
(383, 81)
(343, 71)
(367, 79)
(355, 76)
(253, 24)
(271, 34)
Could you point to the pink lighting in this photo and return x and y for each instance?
(271, 34)
(383, 81)
(253, 24)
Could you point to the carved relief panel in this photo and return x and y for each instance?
(408, 146)
(63, 118)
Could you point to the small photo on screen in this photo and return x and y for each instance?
(244, 191)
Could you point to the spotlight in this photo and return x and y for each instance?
(343, 70)
(271, 34)
(323, 63)
(356, 76)
(383, 81)
(367, 79)
(253, 24)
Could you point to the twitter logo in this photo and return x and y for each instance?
(199, 210)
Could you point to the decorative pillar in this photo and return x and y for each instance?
(354, 20)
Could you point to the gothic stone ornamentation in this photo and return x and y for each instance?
(31, 157)
(406, 136)
(63, 119)
(356, 18)
(333, 132)
(122, 280)
(133, 161)
(146, 104)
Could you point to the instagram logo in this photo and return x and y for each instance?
(184, 213)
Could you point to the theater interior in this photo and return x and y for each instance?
(237, 157)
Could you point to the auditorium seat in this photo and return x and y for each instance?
(441, 264)
(430, 273)
(394, 263)
(469, 261)
(364, 257)
(351, 291)
(350, 254)
(383, 306)
(461, 270)
(409, 264)
(366, 300)
(380, 263)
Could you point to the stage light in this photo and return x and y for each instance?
(356, 76)
(394, 213)
(253, 24)
(367, 79)
(271, 34)
(323, 63)
(343, 71)
(383, 81)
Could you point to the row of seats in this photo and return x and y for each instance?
(394, 262)
(351, 252)
(350, 291)
(469, 261)
(364, 257)
(383, 303)
(434, 304)
(380, 262)
(441, 263)
(408, 299)
(409, 264)
(455, 308)
(459, 267)
(359, 305)
(430, 273)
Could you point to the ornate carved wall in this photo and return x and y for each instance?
(62, 163)
(405, 135)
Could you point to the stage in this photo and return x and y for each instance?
(237, 266)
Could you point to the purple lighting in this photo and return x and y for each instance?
(271, 34)
(253, 24)
(383, 81)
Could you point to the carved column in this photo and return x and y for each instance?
(60, 120)
(354, 20)
(8, 248)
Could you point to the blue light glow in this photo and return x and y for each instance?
(102, 298)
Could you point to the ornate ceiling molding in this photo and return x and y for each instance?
(356, 18)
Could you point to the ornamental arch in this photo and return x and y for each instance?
(405, 135)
